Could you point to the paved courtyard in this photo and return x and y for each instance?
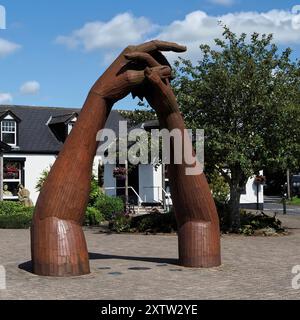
(144, 267)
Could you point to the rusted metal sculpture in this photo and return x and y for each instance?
(58, 243)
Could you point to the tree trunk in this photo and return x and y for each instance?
(234, 206)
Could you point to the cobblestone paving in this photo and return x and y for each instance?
(253, 268)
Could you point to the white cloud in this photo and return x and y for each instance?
(120, 31)
(198, 28)
(222, 2)
(5, 98)
(30, 87)
(7, 47)
(194, 29)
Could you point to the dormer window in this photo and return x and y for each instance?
(9, 128)
(62, 125)
(9, 132)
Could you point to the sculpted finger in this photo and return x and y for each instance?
(160, 45)
(142, 56)
(154, 77)
(134, 77)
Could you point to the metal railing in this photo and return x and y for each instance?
(129, 187)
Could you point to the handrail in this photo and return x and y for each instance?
(129, 187)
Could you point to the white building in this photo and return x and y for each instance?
(36, 135)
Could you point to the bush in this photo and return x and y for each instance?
(251, 222)
(219, 187)
(153, 222)
(15, 221)
(109, 206)
(13, 215)
(93, 216)
(95, 192)
(121, 223)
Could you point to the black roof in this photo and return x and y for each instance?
(34, 134)
(62, 118)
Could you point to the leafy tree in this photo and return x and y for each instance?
(245, 95)
(138, 116)
(42, 178)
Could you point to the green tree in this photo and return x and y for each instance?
(245, 95)
(138, 116)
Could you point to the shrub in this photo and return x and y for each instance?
(15, 221)
(121, 223)
(251, 222)
(109, 206)
(13, 215)
(95, 192)
(220, 188)
(93, 216)
(155, 223)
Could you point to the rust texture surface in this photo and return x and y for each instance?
(58, 245)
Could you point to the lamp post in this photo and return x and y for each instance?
(284, 197)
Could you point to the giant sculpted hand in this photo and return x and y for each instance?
(58, 244)
(196, 214)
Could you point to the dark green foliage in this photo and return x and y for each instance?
(245, 95)
(219, 187)
(250, 221)
(137, 116)
(95, 192)
(13, 215)
(93, 216)
(155, 223)
(152, 223)
(109, 206)
(120, 223)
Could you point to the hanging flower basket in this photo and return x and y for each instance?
(120, 173)
(11, 172)
(260, 179)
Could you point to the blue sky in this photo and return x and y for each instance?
(52, 51)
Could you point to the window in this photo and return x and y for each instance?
(12, 177)
(9, 132)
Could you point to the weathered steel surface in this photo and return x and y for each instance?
(57, 240)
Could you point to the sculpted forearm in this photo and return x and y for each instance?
(58, 243)
(65, 192)
(195, 210)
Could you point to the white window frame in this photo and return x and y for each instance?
(9, 119)
(8, 181)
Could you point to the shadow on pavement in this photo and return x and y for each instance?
(27, 266)
(98, 256)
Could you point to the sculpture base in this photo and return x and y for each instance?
(199, 245)
(58, 248)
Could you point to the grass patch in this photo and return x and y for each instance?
(295, 201)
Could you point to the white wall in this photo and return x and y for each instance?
(150, 183)
(33, 167)
(109, 180)
(157, 182)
